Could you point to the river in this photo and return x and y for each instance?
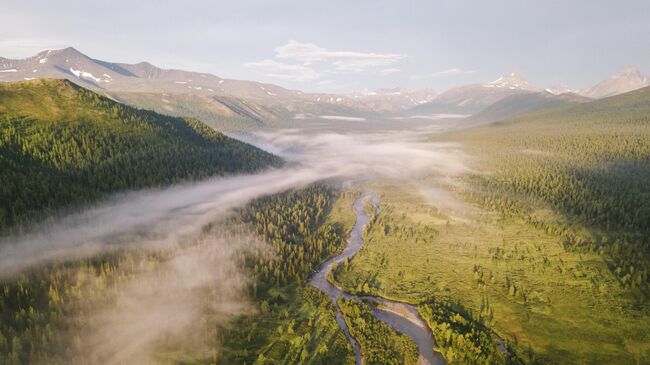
(401, 317)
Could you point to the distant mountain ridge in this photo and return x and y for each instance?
(273, 101)
(512, 81)
(485, 98)
(239, 104)
(559, 89)
(624, 81)
(140, 77)
(394, 99)
(475, 97)
(524, 103)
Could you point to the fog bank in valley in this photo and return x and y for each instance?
(159, 217)
(171, 299)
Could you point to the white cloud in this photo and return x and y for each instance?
(282, 70)
(389, 71)
(301, 62)
(308, 53)
(449, 72)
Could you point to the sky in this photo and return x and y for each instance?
(342, 46)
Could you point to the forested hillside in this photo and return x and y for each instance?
(550, 261)
(294, 323)
(61, 145)
(45, 312)
(220, 112)
(520, 104)
(578, 177)
(591, 163)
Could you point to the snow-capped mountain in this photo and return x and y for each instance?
(142, 78)
(524, 103)
(208, 96)
(393, 99)
(475, 97)
(627, 80)
(559, 89)
(512, 81)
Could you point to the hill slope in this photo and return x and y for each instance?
(557, 258)
(520, 104)
(627, 80)
(475, 97)
(589, 162)
(222, 103)
(141, 77)
(62, 144)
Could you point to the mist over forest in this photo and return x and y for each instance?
(360, 183)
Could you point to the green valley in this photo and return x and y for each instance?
(324, 183)
(548, 241)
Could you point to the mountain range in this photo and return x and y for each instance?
(240, 104)
(523, 103)
(475, 97)
(144, 77)
(627, 80)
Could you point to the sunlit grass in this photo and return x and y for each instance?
(567, 306)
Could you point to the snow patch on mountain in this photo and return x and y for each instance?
(512, 81)
(342, 117)
(84, 75)
(559, 89)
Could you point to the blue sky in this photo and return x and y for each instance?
(346, 45)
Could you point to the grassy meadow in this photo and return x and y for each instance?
(545, 242)
(515, 277)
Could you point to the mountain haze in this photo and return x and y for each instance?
(245, 105)
(524, 103)
(475, 97)
(223, 103)
(627, 80)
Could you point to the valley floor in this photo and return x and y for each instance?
(550, 304)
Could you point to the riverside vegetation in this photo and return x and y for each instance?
(543, 257)
(65, 147)
(45, 311)
(552, 255)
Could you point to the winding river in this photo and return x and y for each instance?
(401, 317)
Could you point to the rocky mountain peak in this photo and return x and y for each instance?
(513, 80)
(627, 80)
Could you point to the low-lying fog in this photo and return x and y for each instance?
(161, 218)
